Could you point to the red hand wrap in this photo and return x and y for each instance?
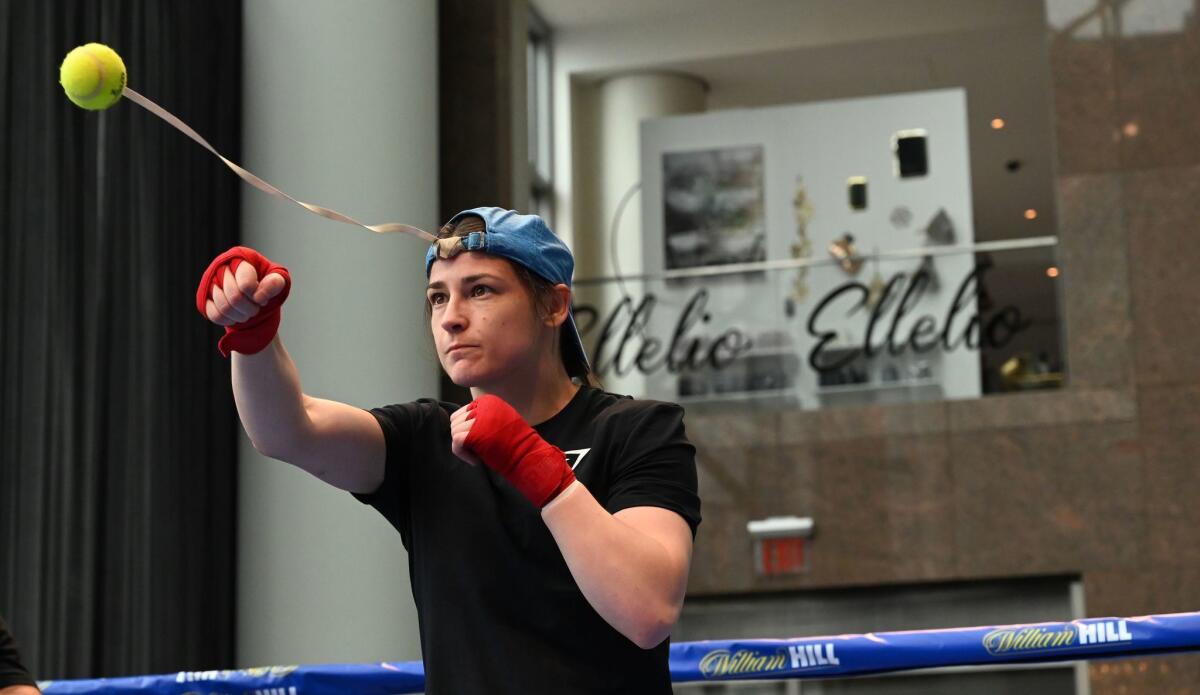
(509, 446)
(253, 335)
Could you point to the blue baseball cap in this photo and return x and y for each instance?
(522, 239)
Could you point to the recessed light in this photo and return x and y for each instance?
(997, 123)
(1031, 214)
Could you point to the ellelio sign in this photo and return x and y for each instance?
(961, 325)
(629, 338)
(625, 343)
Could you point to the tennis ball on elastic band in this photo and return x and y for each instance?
(93, 76)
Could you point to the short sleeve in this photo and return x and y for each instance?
(406, 429)
(11, 670)
(654, 464)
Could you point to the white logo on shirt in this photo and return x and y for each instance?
(575, 456)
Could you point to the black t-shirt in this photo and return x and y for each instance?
(498, 609)
(11, 670)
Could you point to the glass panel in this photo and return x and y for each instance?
(825, 254)
(920, 324)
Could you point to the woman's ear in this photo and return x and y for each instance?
(561, 307)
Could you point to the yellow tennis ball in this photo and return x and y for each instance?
(93, 76)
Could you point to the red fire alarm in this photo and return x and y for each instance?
(780, 544)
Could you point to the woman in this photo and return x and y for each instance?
(14, 678)
(549, 524)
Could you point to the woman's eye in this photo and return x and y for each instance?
(437, 298)
(480, 290)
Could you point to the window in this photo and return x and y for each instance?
(537, 77)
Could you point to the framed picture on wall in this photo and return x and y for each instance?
(713, 207)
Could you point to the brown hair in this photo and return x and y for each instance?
(544, 301)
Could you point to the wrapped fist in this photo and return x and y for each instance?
(243, 291)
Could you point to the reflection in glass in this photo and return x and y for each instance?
(946, 324)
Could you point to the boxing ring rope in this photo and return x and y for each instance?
(751, 659)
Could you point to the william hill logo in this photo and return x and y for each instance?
(723, 662)
(1028, 640)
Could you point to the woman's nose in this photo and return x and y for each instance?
(453, 317)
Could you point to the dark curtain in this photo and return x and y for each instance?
(117, 433)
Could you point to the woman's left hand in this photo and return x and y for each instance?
(491, 432)
(460, 425)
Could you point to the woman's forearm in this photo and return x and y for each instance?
(270, 404)
(632, 567)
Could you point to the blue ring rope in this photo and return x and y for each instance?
(752, 659)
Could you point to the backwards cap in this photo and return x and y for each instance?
(522, 239)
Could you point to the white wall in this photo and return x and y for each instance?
(340, 109)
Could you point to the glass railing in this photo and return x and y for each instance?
(922, 324)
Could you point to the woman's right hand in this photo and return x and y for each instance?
(239, 296)
(232, 295)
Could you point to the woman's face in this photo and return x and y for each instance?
(483, 321)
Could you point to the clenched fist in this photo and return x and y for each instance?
(242, 290)
(490, 431)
